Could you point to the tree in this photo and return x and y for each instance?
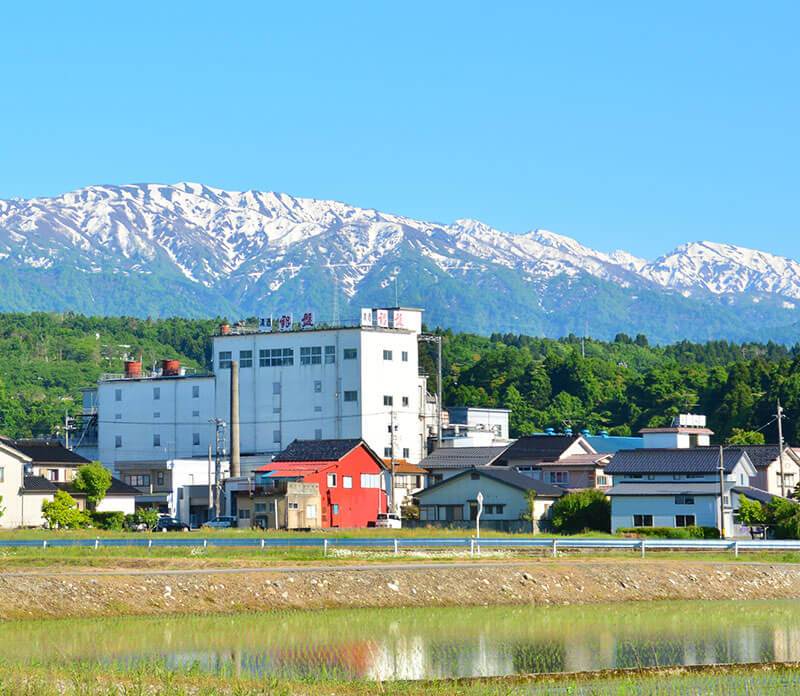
(739, 436)
(93, 480)
(2, 509)
(587, 509)
(751, 512)
(530, 514)
(62, 512)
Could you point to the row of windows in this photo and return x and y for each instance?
(156, 440)
(388, 355)
(675, 477)
(647, 520)
(367, 481)
(387, 452)
(388, 400)
(143, 480)
(284, 357)
(157, 393)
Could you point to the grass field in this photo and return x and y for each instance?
(156, 680)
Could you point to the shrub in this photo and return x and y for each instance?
(693, 532)
(62, 512)
(582, 510)
(114, 521)
(94, 480)
(145, 516)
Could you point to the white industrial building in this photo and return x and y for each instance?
(319, 383)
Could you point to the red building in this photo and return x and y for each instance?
(350, 477)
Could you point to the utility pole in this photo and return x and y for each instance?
(392, 442)
(219, 426)
(721, 470)
(210, 486)
(439, 390)
(780, 448)
(67, 426)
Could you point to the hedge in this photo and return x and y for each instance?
(693, 532)
(114, 521)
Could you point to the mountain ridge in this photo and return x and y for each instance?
(194, 250)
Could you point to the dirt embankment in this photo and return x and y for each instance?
(40, 595)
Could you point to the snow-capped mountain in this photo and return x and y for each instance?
(190, 249)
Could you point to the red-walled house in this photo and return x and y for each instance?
(350, 477)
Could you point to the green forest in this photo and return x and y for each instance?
(620, 385)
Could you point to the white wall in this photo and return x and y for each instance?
(663, 509)
(133, 418)
(117, 503)
(12, 471)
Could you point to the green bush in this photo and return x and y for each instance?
(62, 512)
(114, 521)
(145, 516)
(693, 532)
(582, 510)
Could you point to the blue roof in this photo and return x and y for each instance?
(609, 444)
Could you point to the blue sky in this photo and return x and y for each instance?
(625, 125)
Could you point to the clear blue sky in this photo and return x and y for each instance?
(625, 125)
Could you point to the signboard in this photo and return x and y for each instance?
(307, 320)
(265, 324)
(366, 316)
(382, 318)
(398, 320)
(285, 322)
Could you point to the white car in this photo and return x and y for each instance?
(389, 520)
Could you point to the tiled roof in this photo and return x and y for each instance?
(317, 450)
(39, 484)
(761, 455)
(508, 476)
(401, 466)
(697, 460)
(461, 457)
(755, 493)
(664, 488)
(540, 447)
(46, 451)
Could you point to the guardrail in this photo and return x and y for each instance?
(551, 545)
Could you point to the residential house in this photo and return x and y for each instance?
(408, 480)
(676, 487)
(470, 426)
(12, 471)
(565, 460)
(445, 462)
(454, 500)
(120, 497)
(49, 459)
(766, 460)
(344, 485)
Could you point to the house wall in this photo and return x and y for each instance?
(133, 418)
(10, 483)
(578, 476)
(117, 503)
(31, 508)
(663, 509)
(494, 419)
(65, 473)
(769, 478)
(464, 489)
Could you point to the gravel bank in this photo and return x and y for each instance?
(90, 593)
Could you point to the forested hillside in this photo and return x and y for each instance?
(621, 385)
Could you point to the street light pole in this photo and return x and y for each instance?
(721, 470)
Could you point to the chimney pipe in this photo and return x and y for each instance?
(235, 464)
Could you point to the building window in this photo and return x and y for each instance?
(642, 520)
(387, 451)
(195, 391)
(406, 452)
(602, 480)
(245, 358)
(225, 360)
(347, 481)
(117, 441)
(335, 509)
(318, 433)
(160, 478)
(118, 395)
(276, 410)
(331, 480)
(330, 355)
(311, 512)
(52, 474)
(388, 400)
(351, 396)
(317, 409)
(276, 357)
(293, 506)
(684, 520)
(195, 414)
(276, 388)
(117, 416)
(138, 480)
(677, 477)
(404, 356)
(244, 513)
(350, 353)
(370, 480)
(405, 401)
(494, 509)
(558, 476)
(276, 436)
(156, 393)
(156, 440)
(195, 438)
(387, 355)
(317, 386)
(260, 507)
(311, 355)
(684, 500)
(2, 474)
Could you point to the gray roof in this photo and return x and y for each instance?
(664, 488)
(38, 484)
(46, 451)
(697, 460)
(510, 477)
(541, 447)
(755, 493)
(461, 457)
(761, 455)
(317, 450)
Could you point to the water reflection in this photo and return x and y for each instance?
(426, 643)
